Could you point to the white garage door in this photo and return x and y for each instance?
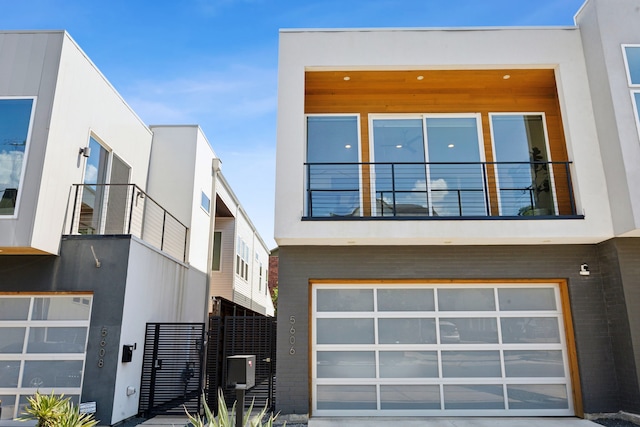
(439, 350)
(43, 340)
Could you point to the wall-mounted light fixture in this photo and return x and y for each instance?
(584, 269)
(85, 151)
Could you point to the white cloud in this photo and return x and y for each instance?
(91, 174)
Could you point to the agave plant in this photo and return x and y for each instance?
(51, 410)
(227, 418)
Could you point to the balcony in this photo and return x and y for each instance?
(125, 209)
(438, 190)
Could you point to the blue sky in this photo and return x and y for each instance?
(214, 62)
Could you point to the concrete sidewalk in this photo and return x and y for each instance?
(452, 422)
(167, 421)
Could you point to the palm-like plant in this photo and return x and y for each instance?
(226, 418)
(51, 410)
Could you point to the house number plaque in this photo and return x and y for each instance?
(292, 335)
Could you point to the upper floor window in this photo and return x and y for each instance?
(333, 174)
(205, 202)
(242, 259)
(632, 59)
(15, 120)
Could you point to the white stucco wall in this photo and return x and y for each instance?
(73, 101)
(605, 26)
(158, 289)
(557, 48)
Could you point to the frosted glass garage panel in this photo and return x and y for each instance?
(345, 331)
(409, 397)
(406, 331)
(537, 396)
(344, 300)
(11, 340)
(14, 308)
(466, 300)
(52, 373)
(534, 299)
(530, 330)
(406, 300)
(408, 364)
(473, 397)
(8, 405)
(349, 397)
(61, 308)
(471, 364)
(468, 330)
(346, 364)
(533, 363)
(57, 340)
(10, 372)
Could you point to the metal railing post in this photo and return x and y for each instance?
(164, 221)
(485, 181)
(309, 193)
(75, 205)
(133, 195)
(393, 188)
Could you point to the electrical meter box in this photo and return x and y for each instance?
(241, 371)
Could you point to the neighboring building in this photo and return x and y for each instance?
(457, 219)
(99, 234)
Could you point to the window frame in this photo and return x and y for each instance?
(552, 180)
(27, 148)
(425, 147)
(204, 196)
(305, 198)
(626, 63)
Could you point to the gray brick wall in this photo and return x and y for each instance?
(298, 265)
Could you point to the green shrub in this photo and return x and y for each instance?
(55, 411)
(228, 419)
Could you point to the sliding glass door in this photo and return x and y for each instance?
(427, 165)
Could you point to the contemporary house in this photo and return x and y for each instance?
(99, 236)
(457, 219)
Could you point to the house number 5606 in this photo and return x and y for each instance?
(292, 336)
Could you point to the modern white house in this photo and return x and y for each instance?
(457, 219)
(99, 234)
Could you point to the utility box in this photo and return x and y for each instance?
(241, 371)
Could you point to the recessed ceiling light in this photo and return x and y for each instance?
(399, 146)
(347, 146)
(420, 77)
(346, 78)
(447, 242)
(506, 76)
(450, 145)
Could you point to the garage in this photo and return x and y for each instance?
(413, 349)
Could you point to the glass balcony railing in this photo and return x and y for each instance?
(437, 190)
(125, 209)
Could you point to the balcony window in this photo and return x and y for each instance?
(632, 59)
(523, 176)
(15, 121)
(333, 174)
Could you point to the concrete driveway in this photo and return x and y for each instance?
(452, 422)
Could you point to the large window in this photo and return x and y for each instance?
(242, 259)
(43, 343)
(15, 120)
(632, 62)
(333, 175)
(427, 165)
(524, 177)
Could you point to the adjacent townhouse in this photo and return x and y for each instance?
(104, 227)
(457, 218)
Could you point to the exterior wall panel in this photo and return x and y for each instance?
(299, 265)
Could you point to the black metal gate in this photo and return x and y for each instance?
(235, 335)
(172, 369)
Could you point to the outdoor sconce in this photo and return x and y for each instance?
(127, 353)
(584, 269)
(85, 151)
